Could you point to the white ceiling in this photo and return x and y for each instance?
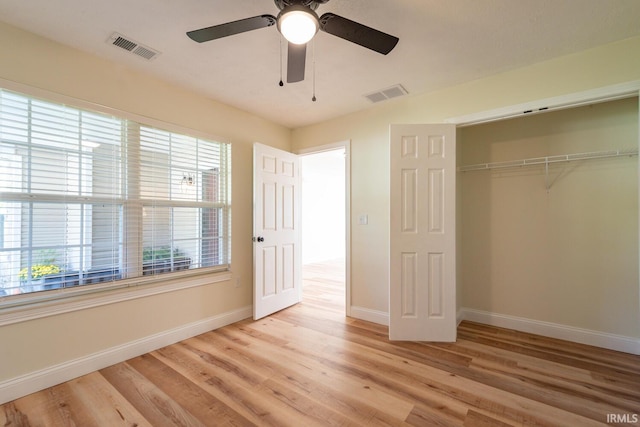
(442, 42)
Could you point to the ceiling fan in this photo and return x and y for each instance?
(299, 23)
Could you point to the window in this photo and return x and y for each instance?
(88, 198)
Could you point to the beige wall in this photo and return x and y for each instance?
(28, 59)
(368, 131)
(568, 255)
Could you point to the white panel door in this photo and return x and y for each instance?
(422, 305)
(277, 265)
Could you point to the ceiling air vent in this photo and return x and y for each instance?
(132, 46)
(388, 93)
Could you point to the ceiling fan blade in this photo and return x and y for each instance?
(357, 33)
(297, 56)
(231, 28)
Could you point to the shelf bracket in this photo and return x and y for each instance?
(546, 175)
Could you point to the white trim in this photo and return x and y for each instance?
(593, 96)
(373, 316)
(347, 206)
(322, 148)
(48, 377)
(66, 304)
(554, 330)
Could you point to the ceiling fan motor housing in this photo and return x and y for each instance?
(311, 4)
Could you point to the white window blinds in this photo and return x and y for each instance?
(184, 201)
(88, 198)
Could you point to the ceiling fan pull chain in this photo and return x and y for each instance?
(313, 53)
(281, 59)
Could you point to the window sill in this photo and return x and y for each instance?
(51, 303)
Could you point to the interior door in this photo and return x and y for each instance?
(422, 305)
(277, 265)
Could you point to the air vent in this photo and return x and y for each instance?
(388, 93)
(134, 47)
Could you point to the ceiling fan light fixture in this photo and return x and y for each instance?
(298, 24)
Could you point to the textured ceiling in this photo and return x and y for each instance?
(442, 43)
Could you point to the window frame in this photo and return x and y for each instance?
(29, 306)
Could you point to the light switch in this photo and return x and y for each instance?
(363, 220)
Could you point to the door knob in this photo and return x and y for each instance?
(258, 239)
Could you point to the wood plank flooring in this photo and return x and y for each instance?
(310, 366)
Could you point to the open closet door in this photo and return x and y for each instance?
(422, 286)
(277, 265)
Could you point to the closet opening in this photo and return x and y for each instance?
(548, 223)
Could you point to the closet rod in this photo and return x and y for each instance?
(550, 159)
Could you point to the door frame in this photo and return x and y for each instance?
(346, 145)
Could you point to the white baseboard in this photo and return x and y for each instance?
(554, 330)
(374, 316)
(48, 377)
(547, 329)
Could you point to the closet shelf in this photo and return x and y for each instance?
(549, 159)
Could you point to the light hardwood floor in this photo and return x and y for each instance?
(310, 366)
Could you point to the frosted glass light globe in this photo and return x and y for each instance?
(298, 24)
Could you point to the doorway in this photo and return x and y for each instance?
(324, 228)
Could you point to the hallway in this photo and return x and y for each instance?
(323, 286)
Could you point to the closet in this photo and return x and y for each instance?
(548, 218)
